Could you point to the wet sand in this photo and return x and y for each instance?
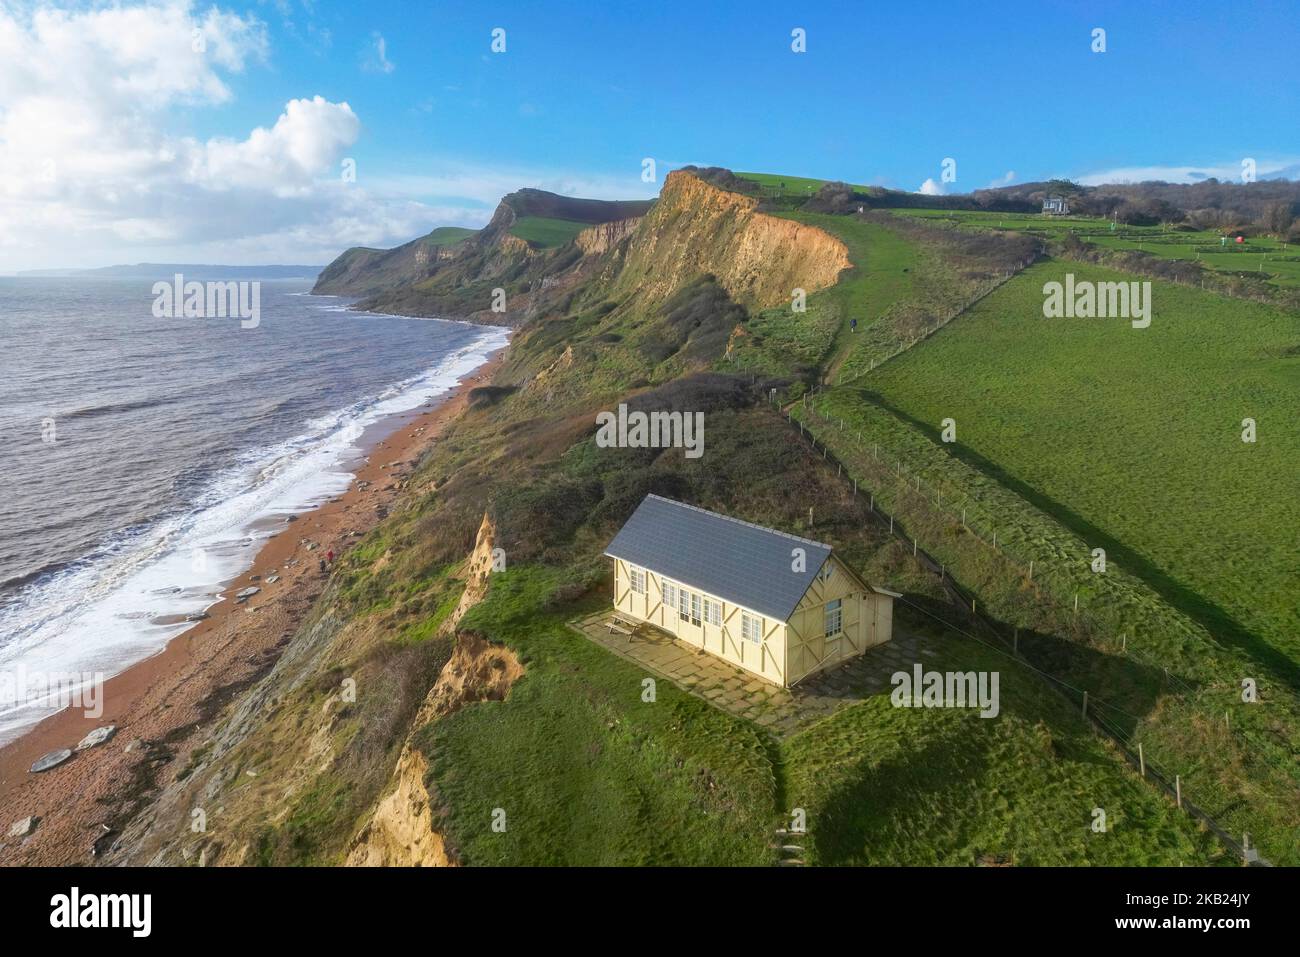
(161, 705)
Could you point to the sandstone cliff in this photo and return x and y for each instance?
(697, 228)
(600, 239)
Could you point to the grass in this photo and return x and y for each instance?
(545, 232)
(448, 235)
(1075, 411)
(1272, 260)
(902, 786)
(585, 770)
(801, 187)
(588, 773)
(1060, 453)
(885, 273)
(1026, 804)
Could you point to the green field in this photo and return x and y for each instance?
(448, 235)
(593, 775)
(587, 772)
(1133, 436)
(903, 787)
(886, 271)
(1277, 262)
(793, 186)
(545, 232)
(1072, 434)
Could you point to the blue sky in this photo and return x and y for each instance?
(883, 94)
(440, 126)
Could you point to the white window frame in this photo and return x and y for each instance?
(752, 628)
(712, 612)
(835, 607)
(695, 608)
(669, 590)
(636, 579)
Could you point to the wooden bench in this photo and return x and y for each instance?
(623, 626)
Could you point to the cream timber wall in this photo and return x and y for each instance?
(789, 651)
(866, 620)
(766, 659)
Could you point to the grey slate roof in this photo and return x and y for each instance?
(746, 564)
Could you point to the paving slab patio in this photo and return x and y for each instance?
(781, 710)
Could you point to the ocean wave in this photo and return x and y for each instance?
(104, 613)
(109, 408)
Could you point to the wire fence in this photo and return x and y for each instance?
(1105, 716)
(1044, 577)
(992, 287)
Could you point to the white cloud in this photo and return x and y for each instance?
(374, 58)
(930, 188)
(93, 175)
(1006, 179)
(93, 172)
(1228, 171)
(305, 141)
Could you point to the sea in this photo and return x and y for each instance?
(143, 459)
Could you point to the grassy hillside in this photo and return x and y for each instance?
(896, 786)
(544, 232)
(452, 272)
(449, 235)
(1259, 260)
(1072, 410)
(585, 771)
(1063, 454)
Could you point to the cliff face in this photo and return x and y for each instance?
(298, 769)
(645, 250)
(598, 240)
(697, 228)
(420, 277)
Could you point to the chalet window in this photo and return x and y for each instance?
(637, 576)
(751, 628)
(688, 606)
(712, 612)
(834, 617)
(670, 594)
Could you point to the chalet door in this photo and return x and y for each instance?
(690, 617)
